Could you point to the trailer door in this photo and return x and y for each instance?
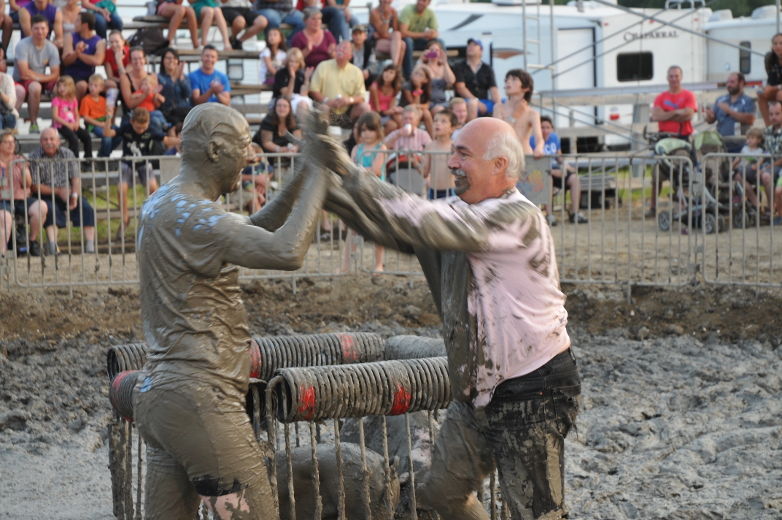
(578, 71)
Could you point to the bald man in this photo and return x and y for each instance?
(189, 402)
(489, 260)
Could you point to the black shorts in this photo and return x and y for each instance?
(560, 182)
(232, 13)
(20, 206)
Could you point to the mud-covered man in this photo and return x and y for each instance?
(489, 260)
(189, 403)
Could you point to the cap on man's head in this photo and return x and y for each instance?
(359, 28)
(477, 42)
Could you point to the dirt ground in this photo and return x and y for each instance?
(53, 389)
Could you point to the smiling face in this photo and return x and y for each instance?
(674, 79)
(138, 60)
(282, 108)
(39, 31)
(208, 60)
(170, 62)
(50, 141)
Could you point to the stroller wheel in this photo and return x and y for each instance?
(711, 224)
(664, 220)
(743, 218)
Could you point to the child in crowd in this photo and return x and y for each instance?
(117, 57)
(98, 115)
(363, 54)
(459, 108)
(435, 168)
(65, 116)
(383, 96)
(272, 56)
(406, 142)
(369, 153)
(418, 92)
(747, 167)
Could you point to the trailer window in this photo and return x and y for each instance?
(634, 66)
(745, 55)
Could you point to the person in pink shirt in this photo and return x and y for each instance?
(488, 257)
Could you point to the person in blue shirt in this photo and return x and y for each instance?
(567, 179)
(208, 84)
(734, 112)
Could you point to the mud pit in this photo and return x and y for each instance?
(680, 419)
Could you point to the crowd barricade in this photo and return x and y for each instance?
(704, 229)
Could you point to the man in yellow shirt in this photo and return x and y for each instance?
(339, 85)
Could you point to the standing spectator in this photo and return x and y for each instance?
(339, 85)
(317, 44)
(387, 36)
(245, 23)
(106, 15)
(293, 82)
(383, 97)
(8, 113)
(407, 140)
(773, 90)
(176, 89)
(436, 60)
(176, 11)
(417, 91)
(117, 57)
(36, 69)
(417, 25)
(207, 12)
(278, 12)
(46, 9)
(333, 17)
(139, 88)
(83, 51)
(439, 179)
(272, 56)
(209, 85)
(772, 144)
(475, 81)
(517, 112)
(734, 112)
(98, 115)
(66, 119)
(57, 182)
(15, 196)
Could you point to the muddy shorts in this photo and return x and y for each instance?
(199, 442)
(521, 433)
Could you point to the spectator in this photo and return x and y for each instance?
(117, 57)
(278, 12)
(57, 183)
(6, 24)
(176, 11)
(333, 17)
(772, 92)
(15, 196)
(746, 168)
(363, 54)
(207, 12)
(407, 140)
(417, 25)
(439, 179)
(98, 115)
(66, 119)
(245, 23)
(339, 85)
(272, 56)
(46, 9)
(8, 113)
(459, 108)
(273, 133)
(36, 69)
(383, 95)
(293, 82)
(209, 85)
(176, 90)
(435, 59)
(139, 88)
(552, 148)
(316, 43)
(70, 14)
(83, 51)
(772, 144)
(388, 39)
(475, 81)
(106, 15)
(417, 91)
(517, 111)
(734, 112)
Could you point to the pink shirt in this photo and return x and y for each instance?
(67, 109)
(415, 142)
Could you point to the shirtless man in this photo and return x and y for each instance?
(516, 111)
(189, 400)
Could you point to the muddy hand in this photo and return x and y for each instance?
(323, 150)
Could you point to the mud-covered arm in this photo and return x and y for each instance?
(275, 212)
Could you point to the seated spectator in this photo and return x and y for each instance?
(208, 84)
(475, 82)
(98, 116)
(443, 78)
(293, 82)
(245, 23)
(56, 181)
(117, 57)
(278, 12)
(333, 17)
(15, 196)
(208, 12)
(339, 85)
(66, 119)
(70, 14)
(458, 106)
(439, 179)
(316, 43)
(176, 91)
(36, 69)
(746, 168)
(773, 89)
(383, 96)
(83, 51)
(417, 25)
(408, 139)
(417, 91)
(139, 88)
(273, 134)
(15, 6)
(272, 56)
(8, 113)
(734, 112)
(176, 11)
(6, 24)
(772, 145)
(52, 15)
(387, 37)
(567, 179)
(363, 54)
(106, 15)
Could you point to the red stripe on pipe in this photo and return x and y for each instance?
(402, 400)
(349, 352)
(306, 402)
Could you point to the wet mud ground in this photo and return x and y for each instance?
(682, 391)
